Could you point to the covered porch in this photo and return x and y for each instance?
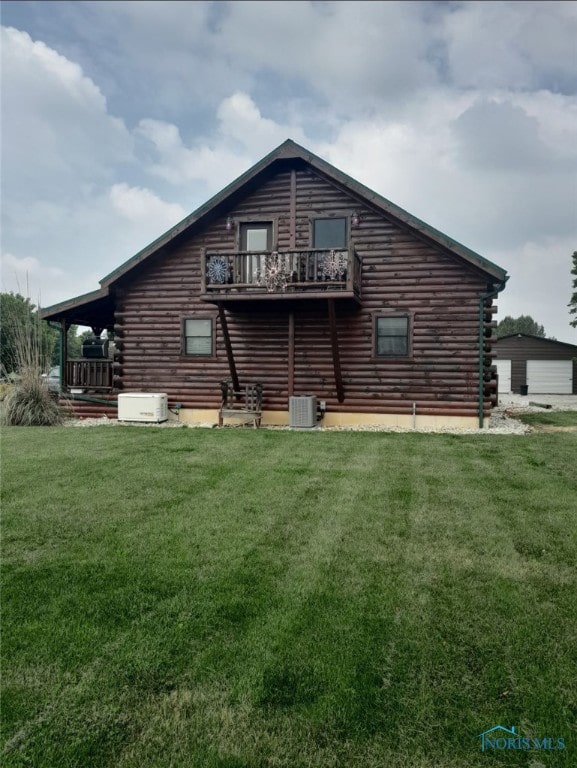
(93, 374)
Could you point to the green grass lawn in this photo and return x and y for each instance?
(549, 418)
(238, 598)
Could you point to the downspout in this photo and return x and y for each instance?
(482, 301)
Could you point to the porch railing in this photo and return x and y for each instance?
(88, 374)
(292, 271)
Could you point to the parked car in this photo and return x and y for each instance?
(52, 379)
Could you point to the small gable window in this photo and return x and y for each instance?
(392, 336)
(256, 237)
(330, 233)
(198, 336)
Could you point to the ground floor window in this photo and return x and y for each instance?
(392, 336)
(198, 336)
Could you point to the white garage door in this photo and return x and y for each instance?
(504, 374)
(550, 377)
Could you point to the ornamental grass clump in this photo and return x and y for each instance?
(30, 404)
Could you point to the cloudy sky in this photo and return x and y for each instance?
(120, 118)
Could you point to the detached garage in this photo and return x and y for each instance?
(544, 366)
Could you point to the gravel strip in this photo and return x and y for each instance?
(500, 424)
(502, 421)
(104, 421)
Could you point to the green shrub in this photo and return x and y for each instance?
(29, 404)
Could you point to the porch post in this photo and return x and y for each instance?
(63, 353)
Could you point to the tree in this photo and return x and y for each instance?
(74, 341)
(26, 347)
(14, 309)
(573, 303)
(523, 324)
(24, 337)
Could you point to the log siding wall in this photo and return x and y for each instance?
(400, 274)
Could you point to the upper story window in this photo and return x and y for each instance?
(392, 336)
(256, 237)
(330, 233)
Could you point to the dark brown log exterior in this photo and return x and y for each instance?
(291, 354)
(402, 272)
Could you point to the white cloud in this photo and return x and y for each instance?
(242, 121)
(243, 136)
(28, 266)
(68, 214)
(500, 136)
(41, 283)
(179, 165)
(57, 134)
(354, 55)
(22, 53)
(140, 205)
(173, 60)
(512, 45)
(161, 59)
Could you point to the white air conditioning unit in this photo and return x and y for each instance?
(143, 406)
(303, 411)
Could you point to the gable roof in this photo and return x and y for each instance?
(287, 151)
(540, 339)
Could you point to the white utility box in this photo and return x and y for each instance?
(143, 406)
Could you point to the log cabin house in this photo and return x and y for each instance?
(300, 278)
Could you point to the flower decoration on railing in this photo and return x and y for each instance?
(275, 274)
(218, 271)
(334, 265)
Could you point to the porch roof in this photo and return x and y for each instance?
(94, 309)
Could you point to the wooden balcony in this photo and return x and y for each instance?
(293, 274)
(91, 375)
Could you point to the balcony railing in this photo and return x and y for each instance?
(88, 374)
(275, 274)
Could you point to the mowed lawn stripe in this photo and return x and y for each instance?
(271, 598)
